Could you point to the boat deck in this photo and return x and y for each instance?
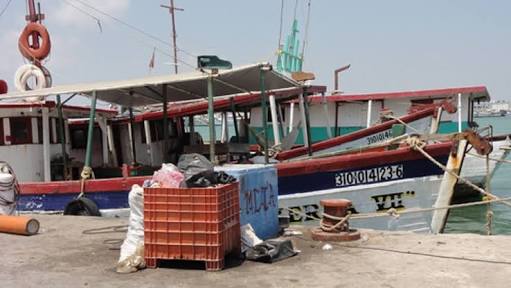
(83, 251)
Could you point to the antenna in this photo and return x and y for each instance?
(172, 9)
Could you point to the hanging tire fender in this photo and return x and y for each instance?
(44, 48)
(82, 207)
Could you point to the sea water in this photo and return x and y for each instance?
(473, 219)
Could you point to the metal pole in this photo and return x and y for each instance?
(459, 113)
(62, 135)
(265, 114)
(307, 121)
(235, 122)
(92, 115)
(132, 138)
(211, 120)
(336, 125)
(274, 120)
(336, 77)
(165, 124)
(172, 10)
(369, 113)
(291, 116)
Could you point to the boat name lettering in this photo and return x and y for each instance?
(387, 134)
(367, 176)
(393, 200)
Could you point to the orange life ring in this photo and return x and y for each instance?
(27, 50)
(3, 87)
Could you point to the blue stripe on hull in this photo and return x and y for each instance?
(327, 180)
(57, 202)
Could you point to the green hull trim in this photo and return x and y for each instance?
(320, 133)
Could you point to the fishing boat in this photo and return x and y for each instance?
(395, 169)
(374, 179)
(354, 112)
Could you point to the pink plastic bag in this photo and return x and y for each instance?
(168, 176)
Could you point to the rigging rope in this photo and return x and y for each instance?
(281, 24)
(414, 143)
(306, 36)
(402, 122)
(396, 213)
(5, 8)
(132, 27)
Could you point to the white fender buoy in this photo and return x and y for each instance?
(24, 73)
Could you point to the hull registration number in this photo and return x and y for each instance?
(367, 176)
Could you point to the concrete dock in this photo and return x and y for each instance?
(83, 251)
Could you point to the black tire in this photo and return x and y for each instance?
(82, 207)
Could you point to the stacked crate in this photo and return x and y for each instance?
(192, 224)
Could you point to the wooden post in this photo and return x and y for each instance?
(447, 188)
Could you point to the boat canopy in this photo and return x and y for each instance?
(180, 87)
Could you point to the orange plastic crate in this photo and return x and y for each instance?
(192, 224)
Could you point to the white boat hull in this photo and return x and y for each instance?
(402, 195)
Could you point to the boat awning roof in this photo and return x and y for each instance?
(221, 104)
(186, 86)
(69, 110)
(474, 92)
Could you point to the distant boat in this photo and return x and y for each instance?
(490, 113)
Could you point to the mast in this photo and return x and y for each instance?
(172, 10)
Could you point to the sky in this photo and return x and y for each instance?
(392, 45)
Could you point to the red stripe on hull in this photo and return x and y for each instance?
(91, 186)
(334, 163)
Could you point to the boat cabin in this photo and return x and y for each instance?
(340, 114)
(31, 140)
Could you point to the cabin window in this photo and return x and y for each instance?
(21, 130)
(78, 137)
(40, 130)
(142, 133)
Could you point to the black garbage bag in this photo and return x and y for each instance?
(224, 178)
(271, 251)
(197, 169)
(198, 172)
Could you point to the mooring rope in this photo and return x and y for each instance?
(396, 213)
(402, 122)
(415, 144)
